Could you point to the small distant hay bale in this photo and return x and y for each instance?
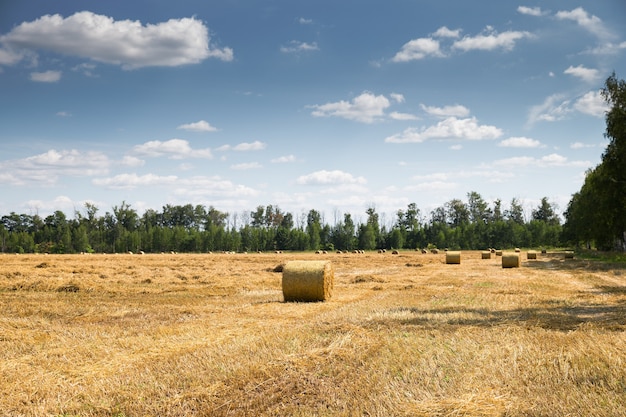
(380, 251)
(569, 254)
(544, 251)
(532, 254)
(492, 250)
(498, 253)
(485, 254)
(395, 252)
(518, 250)
(453, 257)
(510, 260)
(308, 280)
(424, 251)
(434, 251)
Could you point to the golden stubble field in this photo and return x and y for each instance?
(403, 335)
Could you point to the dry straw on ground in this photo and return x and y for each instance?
(186, 335)
(453, 257)
(308, 280)
(511, 260)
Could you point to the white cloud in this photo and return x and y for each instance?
(325, 177)
(580, 145)
(304, 21)
(531, 11)
(253, 146)
(131, 181)
(284, 159)
(553, 108)
(592, 103)
(552, 160)
(491, 41)
(450, 128)
(46, 168)
(297, 46)
(201, 126)
(131, 161)
(125, 42)
(456, 147)
(418, 49)
(211, 187)
(432, 186)
(446, 111)
(173, 149)
(46, 77)
(64, 114)
(520, 142)
(9, 57)
(444, 32)
(586, 74)
(365, 108)
(246, 166)
(398, 98)
(591, 23)
(402, 116)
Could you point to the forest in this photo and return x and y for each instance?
(595, 218)
(187, 228)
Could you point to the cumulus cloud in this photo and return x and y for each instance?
(446, 111)
(586, 74)
(520, 142)
(491, 41)
(402, 116)
(591, 23)
(592, 103)
(366, 108)
(449, 128)
(552, 160)
(284, 159)
(531, 11)
(325, 177)
(444, 32)
(131, 181)
(173, 149)
(46, 168)
(253, 146)
(418, 49)
(297, 46)
(246, 166)
(46, 77)
(124, 42)
(201, 126)
(211, 187)
(555, 107)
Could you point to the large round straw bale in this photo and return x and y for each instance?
(308, 280)
(532, 254)
(453, 257)
(485, 254)
(510, 260)
(569, 254)
(498, 253)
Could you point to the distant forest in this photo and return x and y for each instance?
(595, 217)
(457, 225)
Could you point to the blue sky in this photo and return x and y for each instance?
(329, 105)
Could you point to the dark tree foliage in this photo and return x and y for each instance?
(596, 215)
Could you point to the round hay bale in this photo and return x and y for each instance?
(395, 252)
(510, 260)
(308, 280)
(518, 250)
(492, 250)
(434, 251)
(532, 254)
(485, 254)
(498, 253)
(544, 251)
(453, 257)
(569, 254)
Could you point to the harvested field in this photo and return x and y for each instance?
(402, 335)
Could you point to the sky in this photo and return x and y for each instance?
(337, 106)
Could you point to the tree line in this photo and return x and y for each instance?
(470, 224)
